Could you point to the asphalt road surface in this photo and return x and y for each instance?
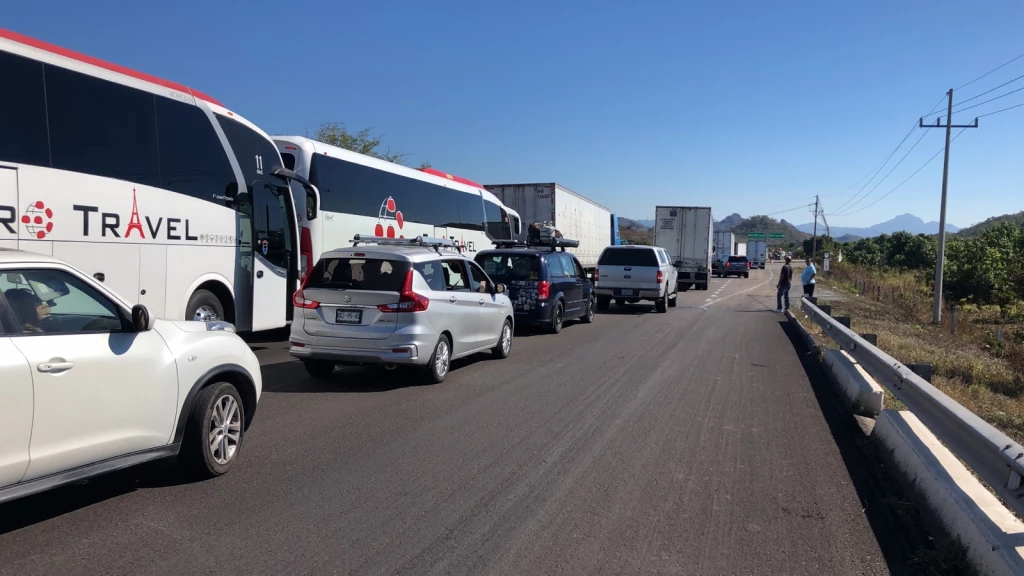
(693, 442)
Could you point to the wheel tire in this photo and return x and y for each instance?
(674, 300)
(504, 347)
(199, 459)
(589, 316)
(557, 318)
(662, 304)
(747, 275)
(603, 303)
(318, 368)
(202, 304)
(440, 360)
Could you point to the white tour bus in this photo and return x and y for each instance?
(156, 190)
(359, 194)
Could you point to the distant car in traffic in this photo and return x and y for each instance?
(398, 302)
(736, 266)
(90, 383)
(629, 274)
(546, 286)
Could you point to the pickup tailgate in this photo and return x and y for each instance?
(628, 268)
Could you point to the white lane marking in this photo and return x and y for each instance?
(716, 301)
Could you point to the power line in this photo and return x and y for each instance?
(882, 165)
(1003, 110)
(897, 187)
(800, 207)
(989, 100)
(991, 71)
(987, 91)
(923, 134)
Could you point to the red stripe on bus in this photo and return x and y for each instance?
(447, 176)
(53, 49)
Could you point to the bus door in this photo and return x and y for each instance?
(274, 259)
(9, 208)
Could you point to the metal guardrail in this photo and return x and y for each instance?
(993, 456)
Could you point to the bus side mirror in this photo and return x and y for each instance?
(311, 207)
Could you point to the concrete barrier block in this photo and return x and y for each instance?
(993, 536)
(861, 391)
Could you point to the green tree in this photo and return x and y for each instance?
(363, 142)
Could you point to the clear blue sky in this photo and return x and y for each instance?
(747, 106)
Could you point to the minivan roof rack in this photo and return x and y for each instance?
(422, 241)
(554, 244)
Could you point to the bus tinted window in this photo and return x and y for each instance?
(257, 156)
(101, 128)
(497, 221)
(289, 160)
(352, 188)
(192, 159)
(22, 112)
(471, 211)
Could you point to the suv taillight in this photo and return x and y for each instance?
(408, 301)
(661, 276)
(748, 264)
(300, 301)
(305, 254)
(543, 290)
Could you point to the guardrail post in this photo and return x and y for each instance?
(826, 308)
(844, 320)
(871, 339)
(922, 370)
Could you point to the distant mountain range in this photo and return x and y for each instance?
(905, 223)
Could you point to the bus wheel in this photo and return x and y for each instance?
(203, 306)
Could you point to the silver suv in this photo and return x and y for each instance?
(388, 301)
(634, 273)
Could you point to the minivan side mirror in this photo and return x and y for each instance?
(141, 320)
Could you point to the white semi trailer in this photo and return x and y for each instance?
(576, 217)
(686, 233)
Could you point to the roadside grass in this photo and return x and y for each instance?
(973, 367)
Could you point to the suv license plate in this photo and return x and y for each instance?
(627, 292)
(349, 317)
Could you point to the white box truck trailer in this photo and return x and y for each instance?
(757, 253)
(576, 217)
(741, 249)
(686, 233)
(723, 245)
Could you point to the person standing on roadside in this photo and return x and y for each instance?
(808, 278)
(785, 281)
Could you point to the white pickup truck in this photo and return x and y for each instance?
(629, 274)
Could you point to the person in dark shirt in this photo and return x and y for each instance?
(785, 281)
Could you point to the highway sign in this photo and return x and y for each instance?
(776, 235)
(756, 236)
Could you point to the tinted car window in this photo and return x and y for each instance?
(555, 268)
(432, 274)
(568, 266)
(372, 274)
(628, 257)
(23, 135)
(54, 302)
(478, 278)
(506, 268)
(737, 258)
(192, 159)
(101, 128)
(454, 276)
(580, 273)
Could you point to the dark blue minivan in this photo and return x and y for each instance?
(546, 284)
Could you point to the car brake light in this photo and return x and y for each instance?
(408, 301)
(661, 276)
(595, 276)
(300, 301)
(305, 254)
(543, 290)
(748, 264)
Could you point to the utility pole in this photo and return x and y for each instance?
(814, 239)
(941, 255)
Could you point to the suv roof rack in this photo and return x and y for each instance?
(418, 241)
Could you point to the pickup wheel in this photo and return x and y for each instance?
(747, 275)
(603, 303)
(674, 300)
(662, 304)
